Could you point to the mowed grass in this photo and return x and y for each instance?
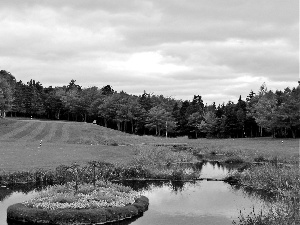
(62, 142)
(67, 142)
(19, 156)
(286, 150)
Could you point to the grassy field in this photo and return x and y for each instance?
(286, 150)
(67, 142)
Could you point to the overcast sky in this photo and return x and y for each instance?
(214, 48)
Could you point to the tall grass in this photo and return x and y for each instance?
(283, 183)
(161, 156)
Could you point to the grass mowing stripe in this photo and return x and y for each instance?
(26, 132)
(65, 133)
(43, 133)
(16, 131)
(51, 133)
(8, 125)
(75, 135)
(57, 133)
(35, 132)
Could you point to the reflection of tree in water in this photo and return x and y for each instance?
(240, 167)
(4, 193)
(251, 192)
(223, 167)
(146, 185)
(198, 166)
(142, 185)
(216, 164)
(177, 186)
(25, 188)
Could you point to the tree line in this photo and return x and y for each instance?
(262, 114)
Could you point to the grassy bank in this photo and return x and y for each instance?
(147, 163)
(249, 149)
(282, 184)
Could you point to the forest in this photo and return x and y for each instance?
(265, 113)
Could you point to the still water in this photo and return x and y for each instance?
(199, 202)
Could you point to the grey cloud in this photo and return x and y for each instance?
(201, 74)
(86, 5)
(54, 41)
(209, 32)
(273, 62)
(202, 20)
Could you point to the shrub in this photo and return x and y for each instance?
(234, 159)
(260, 158)
(177, 174)
(87, 196)
(64, 198)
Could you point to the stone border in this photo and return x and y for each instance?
(21, 213)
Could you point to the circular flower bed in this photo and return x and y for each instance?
(82, 204)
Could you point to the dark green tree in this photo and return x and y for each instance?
(53, 103)
(182, 120)
(157, 119)
(265, 111)
(34, 99)
(107, 90)
(145, 101)
(288, 111)
(7, 85)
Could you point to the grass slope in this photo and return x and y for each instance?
(62, 143)
(19, 130)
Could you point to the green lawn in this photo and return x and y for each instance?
(67, 142)
(250, 148)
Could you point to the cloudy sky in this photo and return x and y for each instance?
(214, 48)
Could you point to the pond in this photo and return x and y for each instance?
(199, 202)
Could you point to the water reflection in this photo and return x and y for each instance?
(201, 202)
(214, 170)
(4, 193)
(11, 199)
(176, 202)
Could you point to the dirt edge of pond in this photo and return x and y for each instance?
(21, 213)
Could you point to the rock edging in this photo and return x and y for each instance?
(21, 213)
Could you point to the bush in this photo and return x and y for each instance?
(234, 159)
(260, 158)
(84, 196)
(178, 175)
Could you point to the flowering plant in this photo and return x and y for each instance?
(103, 194)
